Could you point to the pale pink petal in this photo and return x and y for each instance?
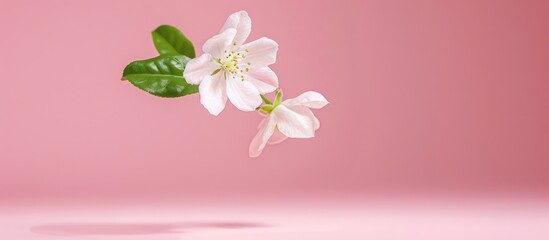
(262, 122)
(199, 68)
(243, 94)
(295, 121)
(277, 137)
(266, 130)
(243, 25)
(217, 44)
(264, 79)
(213, 93)
(261, 52)
(308, 99)
(317, 123)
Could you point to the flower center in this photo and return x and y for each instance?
(234, 64)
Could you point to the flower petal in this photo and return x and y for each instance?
(219, 43)
(266, 130)
(243, 25)
(213, 94)
(243, 94)
(264, 79)
(261, 52)
(295, 121)
(199, 68)
(277, 137)
(308, 99)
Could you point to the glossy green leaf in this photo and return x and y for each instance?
(169, 40)
(160, 76)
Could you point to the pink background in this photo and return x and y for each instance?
(427, 98)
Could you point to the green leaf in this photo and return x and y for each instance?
(169, 40)
(160, 76)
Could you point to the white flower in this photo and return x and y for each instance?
(229, 68)
(292, 118)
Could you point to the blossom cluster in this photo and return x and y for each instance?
(234, 69)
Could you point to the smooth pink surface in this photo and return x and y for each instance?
(389, 220)
(431, 97)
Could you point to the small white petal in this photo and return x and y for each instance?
(242, 23)
(266, 130)
(317, 123)
(243, 94)
(219, 43)
(295, 121)
(308, 99)
(277, 137)
(199, 68)
(261, 52)
(264, 79)
(213, 94)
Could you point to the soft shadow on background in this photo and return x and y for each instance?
(137, 228)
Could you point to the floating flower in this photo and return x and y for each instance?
(291, 118)
(234, 70)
